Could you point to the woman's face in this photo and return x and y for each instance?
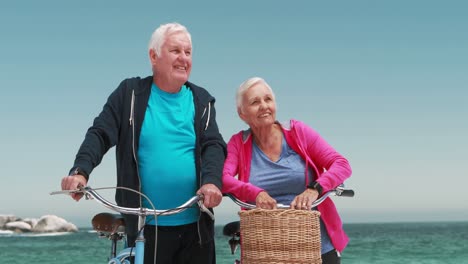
(258, 106)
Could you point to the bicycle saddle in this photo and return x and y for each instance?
(232, 229)
(108, 223)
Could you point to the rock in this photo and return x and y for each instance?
(46, 224)
(31, 221)
(6, 219)
(18, 227)
(53, 223)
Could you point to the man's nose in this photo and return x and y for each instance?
(184, 56)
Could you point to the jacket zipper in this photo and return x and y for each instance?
(132, 124)
(199, 173)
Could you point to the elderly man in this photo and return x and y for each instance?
(168, 147)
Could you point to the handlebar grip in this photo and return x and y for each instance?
(347, 193)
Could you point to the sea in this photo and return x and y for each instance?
(380, 243)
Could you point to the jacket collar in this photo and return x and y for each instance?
(247, 133)
(144, 86)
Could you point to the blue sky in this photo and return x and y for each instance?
(385, 82)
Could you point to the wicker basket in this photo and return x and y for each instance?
(280, 236)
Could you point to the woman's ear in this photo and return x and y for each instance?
(241, 115)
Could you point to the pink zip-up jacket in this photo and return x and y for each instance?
(330, 167)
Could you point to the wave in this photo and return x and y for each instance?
(4, 233)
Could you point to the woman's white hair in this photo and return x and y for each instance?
(159, 35)
(245, 86)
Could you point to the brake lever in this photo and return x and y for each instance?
(203, 207)
(66, 192)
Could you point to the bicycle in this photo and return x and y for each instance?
(233, 229)
(112, 226)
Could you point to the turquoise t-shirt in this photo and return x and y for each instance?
(166, 154)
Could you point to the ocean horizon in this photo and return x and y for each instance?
(409, 242)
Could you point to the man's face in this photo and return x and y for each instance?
(174, 64)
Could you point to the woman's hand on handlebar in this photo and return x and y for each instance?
(304, 200)
(265, 201)
(72, 183)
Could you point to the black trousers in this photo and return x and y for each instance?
(178, 245)
(331, 257)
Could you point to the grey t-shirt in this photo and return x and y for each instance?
(283, 180)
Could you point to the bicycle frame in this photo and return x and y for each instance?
(142, 213)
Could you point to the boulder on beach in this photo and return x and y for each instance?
(53, 223)
(4, 219)
(45, 224)
(18, 227)
(31, 221)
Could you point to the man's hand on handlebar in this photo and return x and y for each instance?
(72, 183)
(212, 196)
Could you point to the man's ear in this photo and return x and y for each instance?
(153, 56)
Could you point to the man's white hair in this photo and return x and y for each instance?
(159, 35)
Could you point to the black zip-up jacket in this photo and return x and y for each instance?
(119, 124)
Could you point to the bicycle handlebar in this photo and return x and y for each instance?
(91, 193)
(338, 191)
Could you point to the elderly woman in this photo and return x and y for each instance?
(284, 163)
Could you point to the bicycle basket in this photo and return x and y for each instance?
(280, 236)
